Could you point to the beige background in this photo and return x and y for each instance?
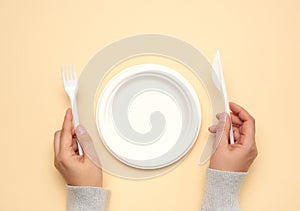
(259, 45)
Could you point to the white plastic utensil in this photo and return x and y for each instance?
(218, 78)
(71, 86)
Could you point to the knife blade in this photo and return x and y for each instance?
(219, 81)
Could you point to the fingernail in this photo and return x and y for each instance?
(81, 130)
(222, 117)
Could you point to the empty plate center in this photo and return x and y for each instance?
(148, 116)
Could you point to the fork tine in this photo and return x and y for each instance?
(63, 73)
(70, 73)
(74, 73)
(66, 72)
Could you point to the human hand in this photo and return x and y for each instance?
(77, 170)
(239, 156)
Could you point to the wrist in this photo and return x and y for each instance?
(228, 168)
(85, 183)
(84, 180)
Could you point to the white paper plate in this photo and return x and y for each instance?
(148, 116)
(103, 62)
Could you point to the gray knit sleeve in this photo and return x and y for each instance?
(222, 190)
(85, 198)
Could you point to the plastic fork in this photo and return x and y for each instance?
(71, 87)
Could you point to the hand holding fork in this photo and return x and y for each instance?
(71, 87)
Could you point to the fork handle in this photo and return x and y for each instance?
(76, 121)
(75, 113)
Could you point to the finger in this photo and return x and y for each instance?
(213, 129)
(67, 124)
(56, 142)
(247, 132)
(235, 119)
(66, 132)
(220, 115)
(240, 112)
(87, 144)
(223, 128)
(236, 134)
(75, 145)
(247, 129)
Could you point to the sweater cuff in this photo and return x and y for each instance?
(222, 190)
(86, 198)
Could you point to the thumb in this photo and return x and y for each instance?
(87, 144)
(223, 129)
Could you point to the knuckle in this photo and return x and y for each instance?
(253, 151)
(56, 164)
(219, 129)
(58, 161)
